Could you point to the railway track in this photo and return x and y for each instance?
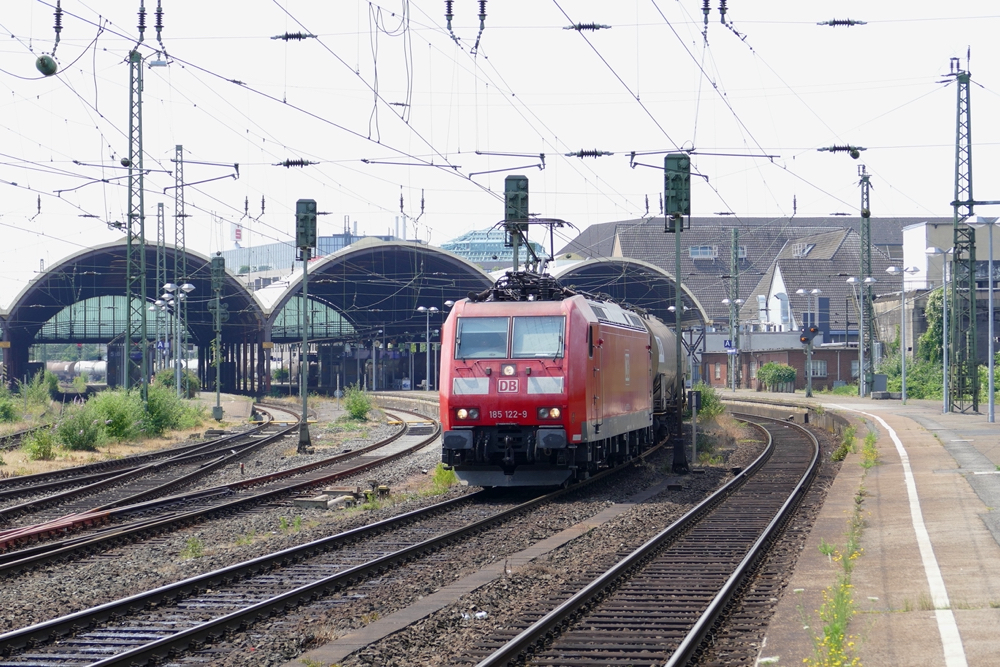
(133, 522)
(13, 440)
(20, 486)
(657, 605)
(191, 613)
(138, 483)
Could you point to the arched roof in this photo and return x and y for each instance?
(634, 282)
(100, 271)
(379, 285)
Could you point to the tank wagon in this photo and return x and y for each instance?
(542, 386)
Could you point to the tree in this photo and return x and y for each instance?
(930, 343)
(773, 374)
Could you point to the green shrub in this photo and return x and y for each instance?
(164, 411)
(121, 411)
(190, 384)
(280, 374)
(40, 445)
(711, 404)
(443, 479)
(8, 410)
(40, 390)
(846, 444)
(194, 548)
(357, 403)
(773, 374)
(81, 427)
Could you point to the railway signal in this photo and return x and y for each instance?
(305, 240)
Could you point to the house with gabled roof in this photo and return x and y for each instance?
(807, 284)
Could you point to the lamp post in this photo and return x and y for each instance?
(427, 336)
(175, 295)
(946, 403)
(168, 298)
(989, 223)
(895, 270)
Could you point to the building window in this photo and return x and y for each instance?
(800, 250)
(819, 368)
(703, 251)
(855, 365)
(753, 370)
(742, 252)
(718, 371)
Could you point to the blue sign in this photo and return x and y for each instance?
(135, 355)
(732, 351)
(727, 344)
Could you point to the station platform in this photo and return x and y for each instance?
(235, 408)
(926, 587)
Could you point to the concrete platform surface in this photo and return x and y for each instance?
(927, 584)
(234, 406)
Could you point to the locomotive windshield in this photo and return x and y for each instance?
(482, 338)
(538, 337)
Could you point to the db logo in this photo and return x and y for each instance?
(507, 386)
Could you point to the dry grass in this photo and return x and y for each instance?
(17, 461)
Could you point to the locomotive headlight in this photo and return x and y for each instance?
(462, 413)
(467, 413)
(549, 413)
(554, 413)
(508, 369)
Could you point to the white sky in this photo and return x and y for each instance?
(650, 83)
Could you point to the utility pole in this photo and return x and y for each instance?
(180, 266)
(305, 239)
(161, 277)
(135, 343)
(734, 306)
(676, 205)
(221, 315)
(867, 334)
(964, 362)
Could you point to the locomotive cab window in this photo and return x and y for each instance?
(482, 338)
(538, 337)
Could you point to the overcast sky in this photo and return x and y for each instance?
(388, 103)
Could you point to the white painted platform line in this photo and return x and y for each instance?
(951, 640)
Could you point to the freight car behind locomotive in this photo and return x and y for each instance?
(543, 392)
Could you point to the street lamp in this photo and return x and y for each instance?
(174, 295)
(989, 223)
(895, 270)
(181, 347)
(946, 407)
(427, 312)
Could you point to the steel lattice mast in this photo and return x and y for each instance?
(161, 274)
(180, 255)
(964, 368)
(136, 344)
(869, 333)
(734, 307)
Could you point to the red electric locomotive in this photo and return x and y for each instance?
(541, 386)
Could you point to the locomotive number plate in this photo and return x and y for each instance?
(508, 414)
(507, 385)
